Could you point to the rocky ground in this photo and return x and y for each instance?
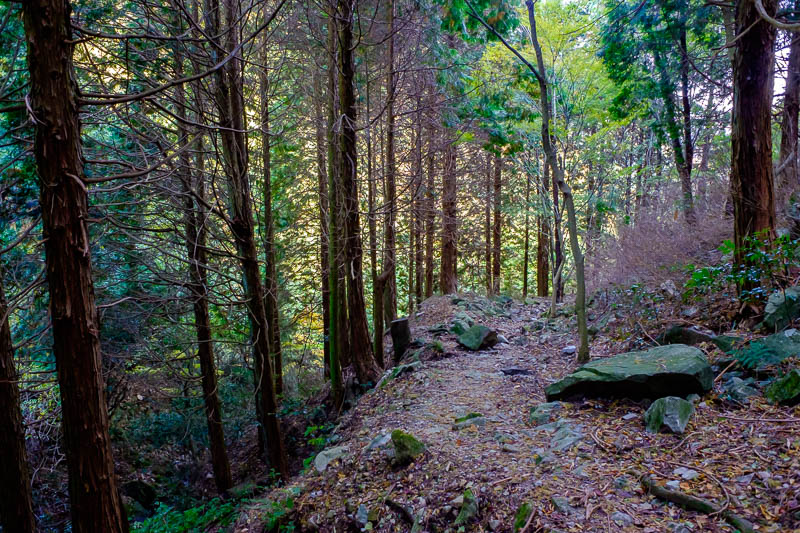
(579, 468)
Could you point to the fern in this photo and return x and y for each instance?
(757, 355)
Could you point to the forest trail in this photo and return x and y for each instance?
(579, 472)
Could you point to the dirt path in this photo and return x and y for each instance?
(579, 473)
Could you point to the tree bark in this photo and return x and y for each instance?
(788, 177)
(390, 192)
(322, 189)
(336, 337)
(230, 104)
(498, 221)
(751, 136)
(195, 225)
(526, 253)
(430, 219)
(566, 192)
(360, 345)
(447, 273)
(271, 272)
(487, 226)
(16, 507)
(95, 502)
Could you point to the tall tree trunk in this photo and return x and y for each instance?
(336, 339)
(271, 271)
(751, 136)
(195, 225)
(95, 502)
(566, 192)
(417, 211)
(788, 177)
(487, 226)
(230, 103)
(447, 269)
(498, 222)
(557, 246)
(16, 507)
(542, 258)
(360, 345)
(430, 218)
(526, 253)
(372, 222)
(322, 189)
(390, 193)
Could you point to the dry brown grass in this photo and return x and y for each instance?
(657, 244)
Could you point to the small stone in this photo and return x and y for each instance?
(562, 504)
(674, 484)
(362, 515)
(621, 519)
(671, 412)
(569, 350)
(380, 441)
(543, 413)
(327, 456)
(494, 524)
(785, 390)
(516, 371)
(502, 339)
(469, 508)
(406, 447)
(630, 416)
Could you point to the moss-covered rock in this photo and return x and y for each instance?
(672, 413)
(469, 508)
(785, 390)
(522, 516)
(406, 447)
(543, 413)
(782, 307)
(478, 337)
(672, 370)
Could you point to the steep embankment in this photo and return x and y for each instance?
(580, 472)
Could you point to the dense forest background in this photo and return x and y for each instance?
(212, 211)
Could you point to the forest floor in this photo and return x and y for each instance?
(580, 474)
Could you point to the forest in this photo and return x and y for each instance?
(399, 265)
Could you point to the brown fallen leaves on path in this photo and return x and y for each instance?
(582, 475)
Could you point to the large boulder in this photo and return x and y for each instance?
(782, 307)
(672, 370)
(478, 337)
(785, 390)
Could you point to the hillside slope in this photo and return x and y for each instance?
(580, 472)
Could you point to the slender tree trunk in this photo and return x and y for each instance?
(195, 225)
(566, 192)
(542, 258)
(95, 502)
(230, 103)
(430, 219)
(751, 136)
(271, 272)
(322, 188)
(360, 344)
(16, 507)
(788, 177)
(526, 254)
(447, 273)
(498, 222)
(337, 332)
(389, 247)
(557, 246)
(417, 212)
(377, 289)
(487, 226)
